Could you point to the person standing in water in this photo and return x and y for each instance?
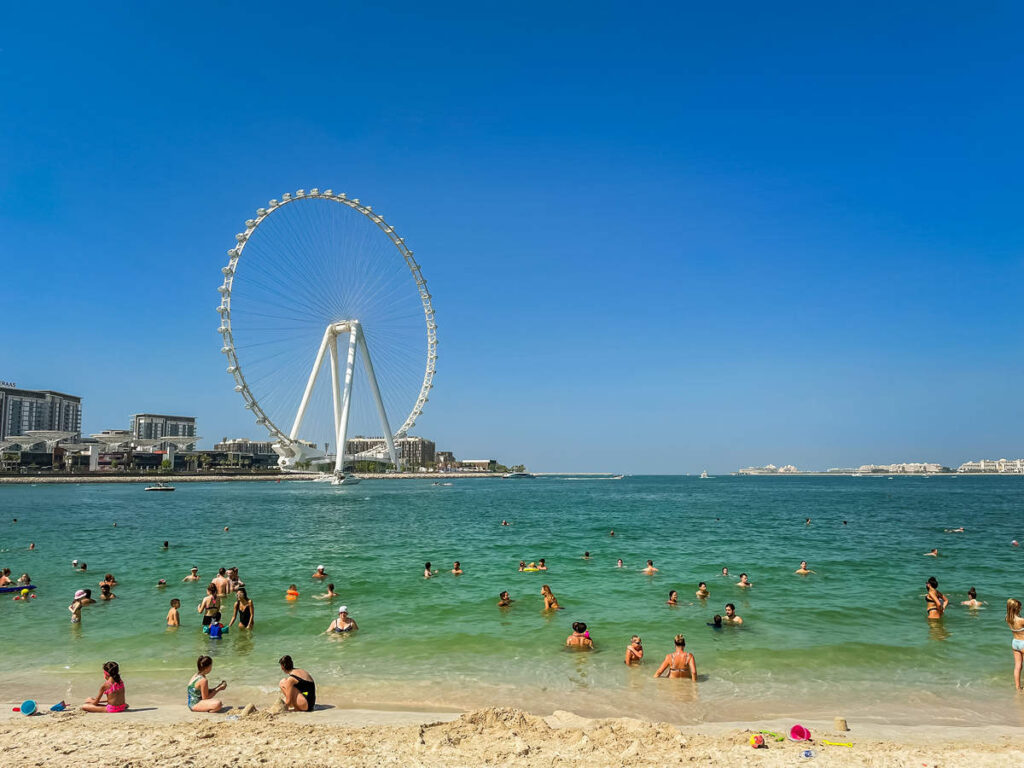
(935, 602)
(210, 605)
(244, 612)
(580, 637)
(634, 651)
(550, 601)
(702, 591)
(679, 663)
(193, 575)
(1016, 624)
(650, 569)
(803, 570)
(972, 600)
(673, 597)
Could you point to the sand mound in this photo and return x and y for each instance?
(487, 737)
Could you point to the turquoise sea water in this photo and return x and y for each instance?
(852, 639)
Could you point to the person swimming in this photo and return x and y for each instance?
(457, 568)
(972, 599)
(933, 553)
(702, 591)
(193, 575)
(743, 582)
(504, 600)
(803, 570)
(730, 615)
(650, 568)
(618, 563)
(328, 595)
(716, 622)
(673, 597)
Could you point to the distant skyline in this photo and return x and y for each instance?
(659, 239)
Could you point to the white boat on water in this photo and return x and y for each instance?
(160, 487)
(516, 475)
(345, 478)
(704, 475)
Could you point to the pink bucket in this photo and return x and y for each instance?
(799, 733)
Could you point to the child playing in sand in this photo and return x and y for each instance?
(112, 690)
(173, 618)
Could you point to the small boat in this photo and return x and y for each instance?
(345, 478)
(704, 475)
(516, 475)
(160, 487)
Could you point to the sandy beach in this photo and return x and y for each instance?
(172, 737)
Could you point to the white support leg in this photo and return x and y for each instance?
(335, 384)
(372, 378)
(294, 434)
(346, 403)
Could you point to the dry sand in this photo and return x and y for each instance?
(505, 737)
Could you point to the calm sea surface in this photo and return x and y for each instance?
(852, 639)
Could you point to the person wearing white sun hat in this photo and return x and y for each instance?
(320, 573)
(343, 623)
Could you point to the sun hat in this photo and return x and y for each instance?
(343, 609)
(79, 594)
(74, 562)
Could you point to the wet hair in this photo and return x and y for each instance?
(579, 626)
(220, 571)
(702, 584)
(216, 616)
(241, 591)
(933, 582)
(83, 567)
(203, 662)
(522, 563)
(503, 593)
(329, 586)
(286, 663)
(672, 592)
(635, 639)
(88, 594)
(426, 566)
(680, 641)
(972, 593)
(586, 554)
(650, 562)
(292, 588)
(104, 587)
(175, 600)
(717, 620)
(211, 588)
(167, 544)
(109, 577)
(1012, 610)
(730, 605)
(458, 564)
(542, 560)
(113, 671)
(742, 575)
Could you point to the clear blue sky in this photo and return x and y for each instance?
(659, 237)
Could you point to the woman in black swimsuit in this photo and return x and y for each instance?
(244, 611)
(298, 688)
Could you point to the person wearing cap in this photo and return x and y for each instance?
(161, 583)
(74, 563)
(193, 576)
(76, 607)
(320, 573)
(25, 595)
(343, 623)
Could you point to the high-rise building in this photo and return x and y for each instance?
(22, 410)
(151, 426)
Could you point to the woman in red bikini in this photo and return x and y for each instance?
(112, 690)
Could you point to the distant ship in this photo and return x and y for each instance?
(704, 475)
(516, 475)
(160, 487)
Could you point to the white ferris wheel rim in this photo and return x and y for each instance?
(224, 309)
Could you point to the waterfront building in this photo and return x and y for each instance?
(27, 410)
(446, 461)
(904, 468)
(479, 465)
(152, 426)
(412, 451)
(245, 445)
(1002, 466)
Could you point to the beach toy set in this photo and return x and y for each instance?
(797, 733)
(29, 707)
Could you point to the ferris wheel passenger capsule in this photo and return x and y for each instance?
(250, 223)
(300, 193)
(232, 368)
(240, 237)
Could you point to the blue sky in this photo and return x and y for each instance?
(658, 238)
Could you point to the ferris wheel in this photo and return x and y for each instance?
(318, 280)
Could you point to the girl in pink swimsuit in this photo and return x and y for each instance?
(112, 690)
